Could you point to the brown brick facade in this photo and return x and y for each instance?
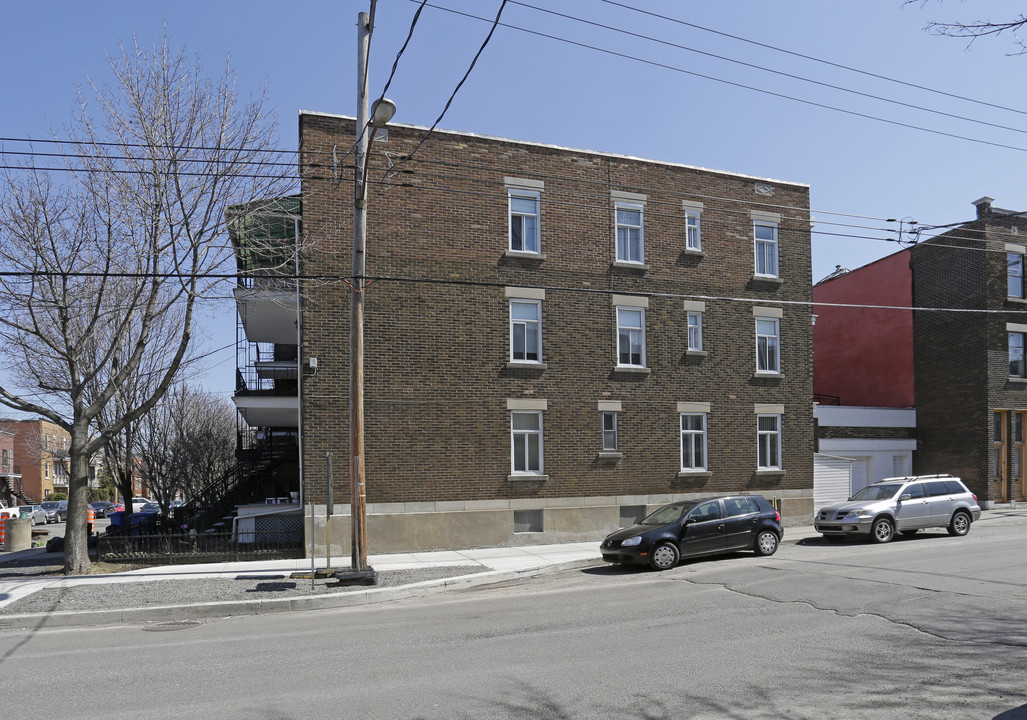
(962, 358)
(438, 381)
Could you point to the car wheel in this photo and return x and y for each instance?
(766, 543)
(960, 524)
(882, 530)
(664, 556)
(909, 533)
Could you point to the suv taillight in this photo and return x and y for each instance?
(777, 516)
(975, 496)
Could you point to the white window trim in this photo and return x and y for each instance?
(1019, 252)
(640, 208)
(692, 433)
(1023, 352)
(513, 192)
(698, 315)
(760, 434)
(693, 210)
(642, 339)
(616, 434)
(776, 336)
(541, 444)
(766, 219)
(538, 329)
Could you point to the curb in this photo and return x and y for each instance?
(233, 608)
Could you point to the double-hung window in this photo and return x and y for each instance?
(609, 431)
(766, 248)
(768, 428)
(526, 443)
(525, 331)
(631, 336)
(695, 330)
(693, 441)
(524, 221)
(768, 345)
(630, 233)
(1016, 355)
(1014, 274)
(693, 225)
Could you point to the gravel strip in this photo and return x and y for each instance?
(119, 596)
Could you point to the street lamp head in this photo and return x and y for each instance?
(382, 111)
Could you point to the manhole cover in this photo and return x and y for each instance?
(173, 625)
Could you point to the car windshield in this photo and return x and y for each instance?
(49, 506)
(876, 492)
(668, 513)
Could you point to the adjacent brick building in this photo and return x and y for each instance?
(967, 335)
(971, 385)
(39, 459)
(555, 339)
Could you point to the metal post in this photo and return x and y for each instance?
(313, 554)
(329, 503)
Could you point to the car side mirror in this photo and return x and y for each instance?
(904, 496)
(688, 521)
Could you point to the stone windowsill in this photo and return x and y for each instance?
(610, 455)
(695, 474)
(518, 365)
(694, 253)
(527, 477)
(767, 375)
(636, 267)
(767, 280)
(1016, 300)
(1018, 380)
(696, 353)
(631, 370)
(770, 473)
(521, 255)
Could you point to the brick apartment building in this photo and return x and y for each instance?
(39, 459)
(10, 480)
(961, 350)
(555, 339)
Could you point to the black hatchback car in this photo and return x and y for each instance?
(691, 528)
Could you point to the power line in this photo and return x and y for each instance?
(743, 86)
(495, 24)
(816, 59)
(762, 68)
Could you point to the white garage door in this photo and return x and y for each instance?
(831, 478)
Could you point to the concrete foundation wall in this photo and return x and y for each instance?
(492, 524)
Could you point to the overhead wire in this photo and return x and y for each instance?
(495, 24)
(762, 68)
(816, 59)
(763, 91)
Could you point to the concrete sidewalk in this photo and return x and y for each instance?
(489, 565)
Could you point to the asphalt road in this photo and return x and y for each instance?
(928, 627)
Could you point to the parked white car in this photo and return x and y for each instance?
(37, 513)
(9, 512)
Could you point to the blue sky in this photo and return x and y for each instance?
(652, 99)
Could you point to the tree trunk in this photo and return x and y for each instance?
(76, 541)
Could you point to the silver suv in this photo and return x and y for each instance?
(902, 504)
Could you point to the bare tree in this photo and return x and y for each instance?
(186, 442)
(977, 28)
(105, 261)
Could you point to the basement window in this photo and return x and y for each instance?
(527, 521)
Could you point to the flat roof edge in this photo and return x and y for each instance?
(568, 149)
